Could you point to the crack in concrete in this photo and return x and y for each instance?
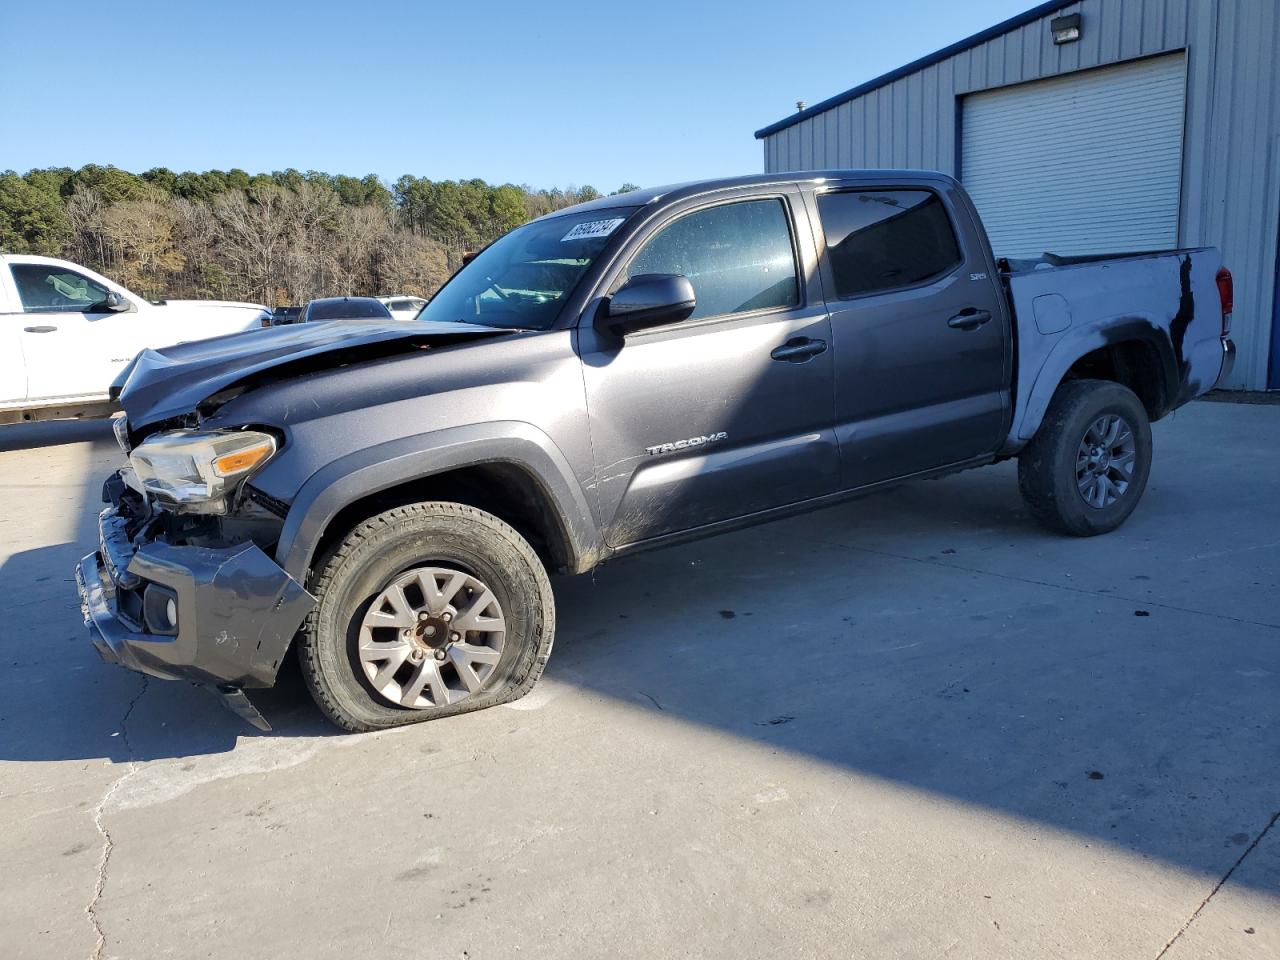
(108, 844)
(1219, 885)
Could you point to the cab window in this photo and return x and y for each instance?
(738, 256)
(53, 289)
(880, 240)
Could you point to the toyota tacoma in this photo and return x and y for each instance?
(387, 499)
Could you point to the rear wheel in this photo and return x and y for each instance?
(1084, 471)
(426, 611)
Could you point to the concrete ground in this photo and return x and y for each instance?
(911, 726)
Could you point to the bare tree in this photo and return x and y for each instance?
(273, 238)
(204, 274)
(88, 244)
(254, 234)
(411, 263)
(143, 235)
(360, 233)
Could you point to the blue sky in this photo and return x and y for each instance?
(545, 93)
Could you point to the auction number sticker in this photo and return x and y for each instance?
(592, 229)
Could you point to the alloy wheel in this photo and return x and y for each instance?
(432, 637)
(1105, 461)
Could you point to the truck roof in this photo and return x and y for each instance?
(690, 188)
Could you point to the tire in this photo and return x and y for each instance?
(342, 638)
(1061, 467)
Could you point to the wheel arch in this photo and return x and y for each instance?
(509, 469)
(1135, 352)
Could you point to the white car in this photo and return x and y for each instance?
(403, 307)
(67, 333)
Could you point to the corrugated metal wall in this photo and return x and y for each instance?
(1231, 171)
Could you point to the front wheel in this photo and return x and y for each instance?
(426, 611)
(1084, 471)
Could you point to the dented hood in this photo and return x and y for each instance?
(173, 381)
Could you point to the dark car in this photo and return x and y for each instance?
(344, 308)
(285, 315)
(388, 498)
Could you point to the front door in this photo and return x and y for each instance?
(726, 413)
(13, 368)
(919, 330)
(73, 345)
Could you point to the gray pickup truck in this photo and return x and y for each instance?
(388, 498)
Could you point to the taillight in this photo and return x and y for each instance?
(1226, 294)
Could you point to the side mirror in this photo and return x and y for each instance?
(115, 302)
(649, 300)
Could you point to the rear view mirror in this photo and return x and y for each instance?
(649, 300)
(115, 302)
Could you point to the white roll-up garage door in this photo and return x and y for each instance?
(1090, 162)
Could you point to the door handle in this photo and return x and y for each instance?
(798, 350)
(970, 318)
(44, 329)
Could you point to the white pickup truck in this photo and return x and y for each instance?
(67, 334)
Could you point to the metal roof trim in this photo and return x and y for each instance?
(1022, 19)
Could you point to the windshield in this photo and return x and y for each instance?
(523, 278)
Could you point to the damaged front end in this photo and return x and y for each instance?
(189, 597)
(183, 585)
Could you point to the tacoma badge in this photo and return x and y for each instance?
(685, 444)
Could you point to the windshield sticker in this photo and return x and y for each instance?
(592, 229)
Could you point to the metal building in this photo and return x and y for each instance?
(1092, 125)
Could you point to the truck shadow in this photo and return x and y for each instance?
(62, 702)
(58, 700)
(935, 638)
(930, 636)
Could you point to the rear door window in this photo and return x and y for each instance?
(738, 256)
(880, 240)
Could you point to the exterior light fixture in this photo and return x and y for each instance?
(1065, 29)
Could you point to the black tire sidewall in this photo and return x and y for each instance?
(1050, 482)
(373, 555)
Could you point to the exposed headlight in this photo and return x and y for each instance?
(120, 427)
(196, 469)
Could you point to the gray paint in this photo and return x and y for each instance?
(705, 377)
(1230, 195)
(172, 381)
(912, 393)
(385, 465)
(237, 614)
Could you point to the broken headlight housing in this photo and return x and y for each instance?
(195, 470)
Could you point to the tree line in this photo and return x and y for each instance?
(275, 238)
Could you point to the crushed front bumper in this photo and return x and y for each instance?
(236, 609)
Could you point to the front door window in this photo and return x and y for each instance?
(55, 289)
(738, 256)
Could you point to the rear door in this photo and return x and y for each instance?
(698, 421)
(918, 326)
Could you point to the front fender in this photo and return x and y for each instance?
(385, 465)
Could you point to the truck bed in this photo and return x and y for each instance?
(1065, 307)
